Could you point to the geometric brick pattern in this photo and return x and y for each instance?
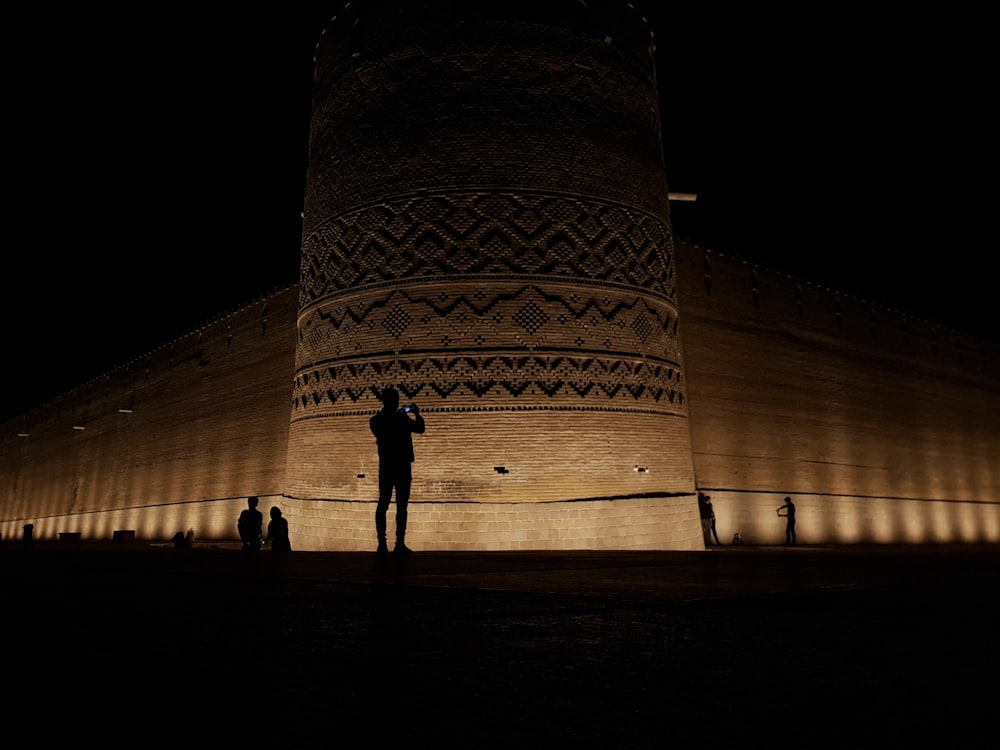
(523, 345)
(487, 235)
(528, 308)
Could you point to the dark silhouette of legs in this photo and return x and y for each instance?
(400, 480)
(384, 496)
(402, 500)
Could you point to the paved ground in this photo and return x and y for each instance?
(800, 647)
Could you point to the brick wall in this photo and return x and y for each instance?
(887, 427)
(884, 436)
(152, 444)
(634, 523)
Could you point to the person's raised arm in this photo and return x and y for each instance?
(418, 420)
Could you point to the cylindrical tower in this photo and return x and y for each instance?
(486, 229)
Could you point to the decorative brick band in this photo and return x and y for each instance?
(514, 309)
(486, 235)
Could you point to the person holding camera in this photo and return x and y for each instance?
(789, 515)
(393, 429)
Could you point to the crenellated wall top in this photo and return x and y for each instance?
(777, 300)
(184, 347)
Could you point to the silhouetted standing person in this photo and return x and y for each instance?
(711, 512)
(707, 515)
(393, 429)
(250, 525)
(789, 514)
(277, 531)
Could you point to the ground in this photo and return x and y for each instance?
(824, 646)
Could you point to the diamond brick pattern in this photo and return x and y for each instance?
(530, 346)
(527, 234)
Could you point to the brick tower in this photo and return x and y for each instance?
(486, 229)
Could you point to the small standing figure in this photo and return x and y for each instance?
(251, 525)
(789, 514)
(277, 531)
(707, 517)
(711, 510)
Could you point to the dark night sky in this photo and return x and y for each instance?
(156, 164)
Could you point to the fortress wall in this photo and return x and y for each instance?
(881, 437)
(884, 427)
(152, 444)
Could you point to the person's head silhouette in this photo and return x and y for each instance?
(275, 512)
(390, 399)
(252, 501)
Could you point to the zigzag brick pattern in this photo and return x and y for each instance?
(473, 331)
(426, 237)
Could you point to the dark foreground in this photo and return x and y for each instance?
(803, 647)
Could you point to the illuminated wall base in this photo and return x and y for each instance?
(209, 520)
(826, 519)
(635, 523)
(631, 523)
